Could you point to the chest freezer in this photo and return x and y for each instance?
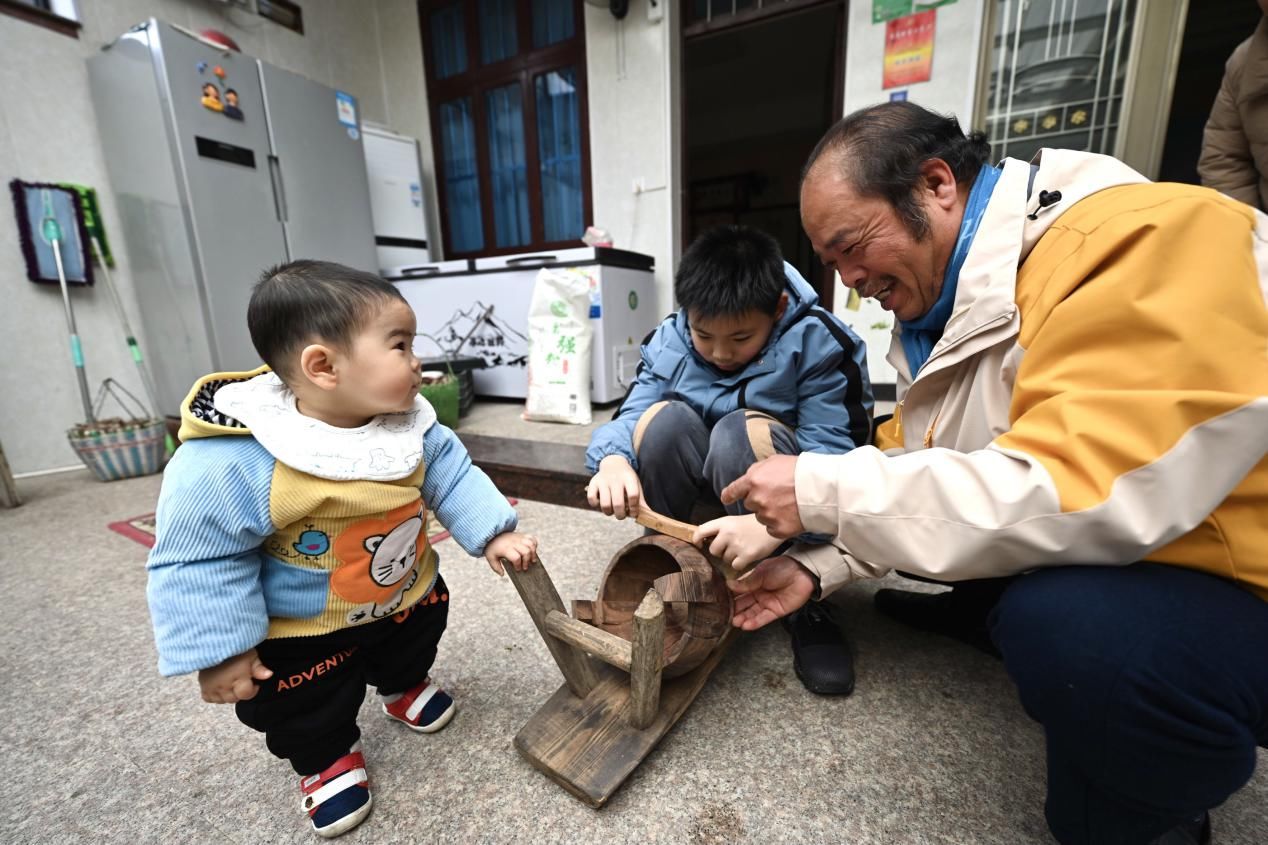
(480, 308)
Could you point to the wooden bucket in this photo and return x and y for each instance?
(698, 606)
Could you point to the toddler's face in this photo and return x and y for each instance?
(730, 343)
(381, 374)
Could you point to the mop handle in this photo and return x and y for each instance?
(135, 348)
(52, 232)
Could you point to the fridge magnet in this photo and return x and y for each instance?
(346, 108)
(909, 49)
(897, 96)
(354, 133)
(231, 104)
(211, 97)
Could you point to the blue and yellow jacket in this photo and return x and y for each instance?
(272, 524)
(812, 375)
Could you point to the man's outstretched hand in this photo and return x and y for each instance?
(775, 588)
(769, 491)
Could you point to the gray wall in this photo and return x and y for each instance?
(48, 134)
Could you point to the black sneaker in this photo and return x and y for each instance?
(960, 612)
(1193, 832)
(821, 656)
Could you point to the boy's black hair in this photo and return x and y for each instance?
(295, 303)
(728, 271)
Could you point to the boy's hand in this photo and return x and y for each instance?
(615, 489)
(234, 679)
(740, 541)
(520, 550)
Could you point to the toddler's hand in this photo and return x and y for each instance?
(520, 550)
(234, 679)
(615, 489)
(740, 541)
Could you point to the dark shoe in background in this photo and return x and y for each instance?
(960, 612)
(821, 655)
(1194, 832)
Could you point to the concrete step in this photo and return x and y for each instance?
(554, 473)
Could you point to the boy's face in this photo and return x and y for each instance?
(731, 342)
(379, 374)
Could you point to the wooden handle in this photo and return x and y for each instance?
(648, 518)
(684, 531)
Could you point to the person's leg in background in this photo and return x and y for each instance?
(1151, 683)
(821, 655)
(671, 442)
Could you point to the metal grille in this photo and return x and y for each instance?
(1058, 69)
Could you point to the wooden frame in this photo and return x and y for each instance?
(524, 67)
(616, 702)
(283, 13)
(40, 17)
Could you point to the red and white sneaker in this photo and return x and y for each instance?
(426, 708)
(338, 799)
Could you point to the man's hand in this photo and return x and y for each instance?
(740, 541)
(519, 550)
(775, 588)
(769, 490)
(234, 679)
(615, 489)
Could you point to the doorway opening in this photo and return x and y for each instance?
(1212, 30)
(757, 97)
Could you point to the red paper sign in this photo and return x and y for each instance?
(909, 49)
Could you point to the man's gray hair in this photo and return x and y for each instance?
(880, 150)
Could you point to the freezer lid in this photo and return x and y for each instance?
(578, 257)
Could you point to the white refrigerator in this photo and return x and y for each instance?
(480, 308)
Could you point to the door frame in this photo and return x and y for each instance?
(825, 284)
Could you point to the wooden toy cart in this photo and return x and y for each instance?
(660, 624)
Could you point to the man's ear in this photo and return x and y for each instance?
(940, 184)
(317, 365)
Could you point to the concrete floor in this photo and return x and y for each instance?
(931, 748)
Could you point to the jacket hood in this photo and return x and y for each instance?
(801, 298)
(199, 417)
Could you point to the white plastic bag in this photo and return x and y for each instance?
(559, 337)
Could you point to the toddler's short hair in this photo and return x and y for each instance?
(295, 303)
(728, 271)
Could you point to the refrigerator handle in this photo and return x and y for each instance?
(279, 192)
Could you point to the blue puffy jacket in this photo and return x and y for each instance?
(811, 375)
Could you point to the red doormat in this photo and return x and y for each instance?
(141, 528)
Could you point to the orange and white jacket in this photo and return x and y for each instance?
(1099, 395)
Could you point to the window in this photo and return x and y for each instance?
(1058, 75)
(506, 87)
(58, 15)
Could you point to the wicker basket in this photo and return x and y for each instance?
(120, 448)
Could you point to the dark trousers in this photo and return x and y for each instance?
(682, 462)
(1151, 683)
(308, 710)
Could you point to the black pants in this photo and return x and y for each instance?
(308, 710)
(1151, 683)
